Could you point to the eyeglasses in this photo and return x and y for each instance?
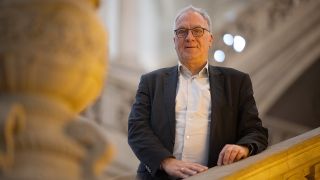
(196, 32)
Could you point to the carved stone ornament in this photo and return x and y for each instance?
(52, 65)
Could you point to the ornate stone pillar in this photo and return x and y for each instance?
(52, 65)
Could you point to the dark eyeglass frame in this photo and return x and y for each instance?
(185, 33)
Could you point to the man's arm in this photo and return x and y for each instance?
(251, 130)
(253, 137)
(144, 143)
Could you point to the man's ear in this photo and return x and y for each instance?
(174, 41)
(211, 40)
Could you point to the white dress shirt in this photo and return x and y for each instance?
(193, 116)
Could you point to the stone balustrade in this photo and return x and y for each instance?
(295, 158)
(53, 59)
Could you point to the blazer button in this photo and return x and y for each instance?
(148, 169)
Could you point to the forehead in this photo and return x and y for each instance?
(190, 19)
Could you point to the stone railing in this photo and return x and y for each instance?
(296, 158)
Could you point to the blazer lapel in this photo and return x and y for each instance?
(218, 100)
(217, 91)
(170, 86)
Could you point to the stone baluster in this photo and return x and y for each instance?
(52, 66)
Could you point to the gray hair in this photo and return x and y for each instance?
(202, 12)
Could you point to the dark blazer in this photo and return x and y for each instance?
(151, 124)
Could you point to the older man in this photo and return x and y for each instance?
(193, 116)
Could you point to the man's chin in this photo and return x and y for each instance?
(189, 56)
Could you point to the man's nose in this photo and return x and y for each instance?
(189, 35)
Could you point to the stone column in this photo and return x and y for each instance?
(52, 65)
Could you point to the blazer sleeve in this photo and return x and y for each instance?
(141, 138)
(251, 131)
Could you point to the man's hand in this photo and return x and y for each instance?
(232, 153)
(181, 169)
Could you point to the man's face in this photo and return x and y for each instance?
(192, 49)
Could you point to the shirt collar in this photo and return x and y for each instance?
(184, 70)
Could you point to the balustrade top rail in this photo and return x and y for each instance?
(295, 158)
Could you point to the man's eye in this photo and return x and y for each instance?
(197, 30)
(182, 31)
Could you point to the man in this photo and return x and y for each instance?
(193, 116)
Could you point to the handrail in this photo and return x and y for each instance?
(295, 158)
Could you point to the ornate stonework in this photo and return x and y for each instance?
(282, 42)
(52, 65)
(258, 21)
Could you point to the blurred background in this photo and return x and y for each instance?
(276, 42)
